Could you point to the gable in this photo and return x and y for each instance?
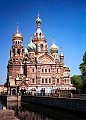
(46, 59)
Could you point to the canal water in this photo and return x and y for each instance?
(36, 112)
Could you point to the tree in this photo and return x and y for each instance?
(77, 82)
(82, 68)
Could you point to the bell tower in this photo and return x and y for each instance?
(16, 59)
(17, 48)
(39, 39)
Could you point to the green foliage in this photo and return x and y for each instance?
(77, 82)
(82, 68)
(84, 58)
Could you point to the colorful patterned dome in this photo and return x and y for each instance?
(31, 46)
(38, 20)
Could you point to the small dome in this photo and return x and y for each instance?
(54, 48)
(38, 20)
(31, 46)
(17, 35)
(61, 55)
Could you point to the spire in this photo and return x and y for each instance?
(17, 28)
(38, 15)
(53, 40)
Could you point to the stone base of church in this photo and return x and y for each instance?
(10, 98)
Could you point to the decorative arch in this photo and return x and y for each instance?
(46, 59)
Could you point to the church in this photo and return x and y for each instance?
(36, 67)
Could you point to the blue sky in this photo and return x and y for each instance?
(63, 19)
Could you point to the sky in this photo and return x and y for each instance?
(63, 19)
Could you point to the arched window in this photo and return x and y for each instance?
(42, 80)
(57, 80)
(36, 34)
(49, 70)
(45, 80)
(45, 70)
(32, 70)
(49, 80)
(13, 91)
(41, 47)
(33, 81)
(18, 51)
(40, 34)
(18, 42)
(42, 70)
(65, 80)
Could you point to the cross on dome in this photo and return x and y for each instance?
(17, 28)
(17, 35)
(38, 22)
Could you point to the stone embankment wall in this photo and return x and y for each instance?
(65, 103)
(11, 98)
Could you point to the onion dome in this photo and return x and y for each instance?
(61, 55)
(31, 46)
(54, 48)
(17, 35)
(38, 20)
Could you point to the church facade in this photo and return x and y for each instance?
(36, 67)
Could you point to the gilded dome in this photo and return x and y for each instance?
(17, 35)
(54, 48)
(61, 55)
